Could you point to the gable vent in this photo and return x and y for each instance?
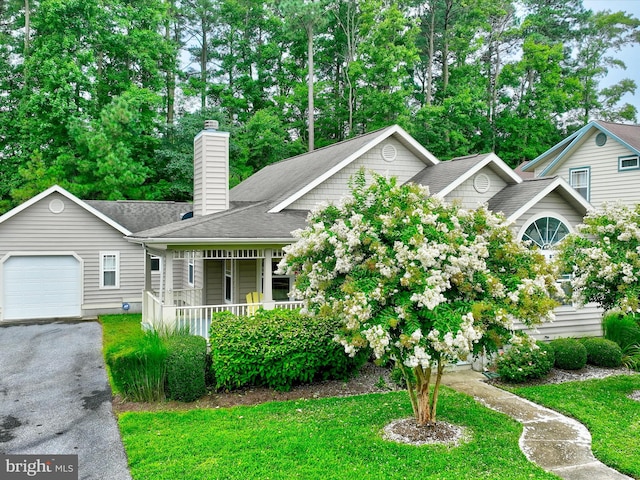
(389, 153)
(481, 183)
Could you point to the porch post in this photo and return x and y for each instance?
(267, 294)
(147, 271)
(168, 278)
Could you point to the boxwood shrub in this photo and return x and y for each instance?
(186, 367)
(138, 367)
(278, 349)
(522, 363)
(602, 352)
(570, 354)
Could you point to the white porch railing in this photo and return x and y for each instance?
(197, 318)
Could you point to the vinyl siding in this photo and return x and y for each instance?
(211, 173)
(552, 205)
(214, 278)
(246, 273)
(38, 230)
(467, 194)
(607, 183)
(404, 167)
(572, 322)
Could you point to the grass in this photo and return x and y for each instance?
(603, 407)
(119, 328)
(334, 438)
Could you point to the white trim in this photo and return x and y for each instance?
(103, 255)
(507, 172)
(70, 196)
(191, 270)
(557, 183)
(393, 130)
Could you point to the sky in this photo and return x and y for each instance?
(629, 55)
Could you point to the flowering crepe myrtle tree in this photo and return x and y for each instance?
(422, 282)
(604, 258)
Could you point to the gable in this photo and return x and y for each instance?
(389, 158)
(552, 205)
(478, 189)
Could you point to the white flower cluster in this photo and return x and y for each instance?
(456, 347)
(379, 340)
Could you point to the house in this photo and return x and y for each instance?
(61, 257)
(224, 257)
(601, 161)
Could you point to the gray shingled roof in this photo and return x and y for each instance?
(628, 133)
(243, 220)
(137, 215)
(513, 197)
(280, 180)
(440, 176)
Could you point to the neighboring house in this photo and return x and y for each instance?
(62, 257)
(601, 161)
(225, 256)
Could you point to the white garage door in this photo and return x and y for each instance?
(41, 287)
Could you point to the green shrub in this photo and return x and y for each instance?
(186, 366)
(602, 352)
(521, 363)
(570, 354)
(277, 348)
(622, 329)
(631, 357)
(138, 367)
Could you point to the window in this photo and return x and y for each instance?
(580, 179)
(280, 284)
(191, 271)
(631, 162)
(155, 264)
(109, 270)
(545, 233)
(228, 277)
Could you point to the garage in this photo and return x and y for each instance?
(41, 286)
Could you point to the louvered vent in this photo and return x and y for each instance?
(481, 183)
(389, 153)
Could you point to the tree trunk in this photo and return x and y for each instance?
(310, 86)
(27, 27)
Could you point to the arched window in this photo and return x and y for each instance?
(545, 232)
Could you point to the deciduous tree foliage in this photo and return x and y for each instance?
(509, 76)
(603, 258)
(422, 282)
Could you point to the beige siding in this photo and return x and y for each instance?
(246, 271)
(572, 322)
(211, 173)
(607, 183)
(405, 166)
(467, 194)
(552, 205)
(214, 282)
(38, 230)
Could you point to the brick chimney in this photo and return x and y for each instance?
(210, 170)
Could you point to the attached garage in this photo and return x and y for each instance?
(41, 286)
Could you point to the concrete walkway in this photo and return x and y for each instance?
(556, 443)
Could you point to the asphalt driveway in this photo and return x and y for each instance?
(55, 398)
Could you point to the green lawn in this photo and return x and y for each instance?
(336, 438)
(603, 407)
(117, 328)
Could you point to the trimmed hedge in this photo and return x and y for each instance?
(570, 354)
(278, 349)
(186, 367)
(521, 363)
(138, 367)
(602, 352)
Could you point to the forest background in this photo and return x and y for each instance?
(104, 97)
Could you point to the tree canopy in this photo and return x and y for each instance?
(94, 94)
(422, 282)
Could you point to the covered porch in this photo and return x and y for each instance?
(185, 287)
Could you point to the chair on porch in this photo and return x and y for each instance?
(254, 299)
